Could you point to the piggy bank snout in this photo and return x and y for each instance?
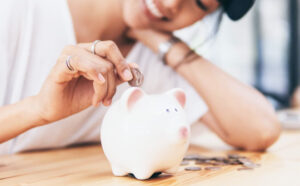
(184, 132)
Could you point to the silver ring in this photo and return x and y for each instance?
(68, 64)
(94, 46)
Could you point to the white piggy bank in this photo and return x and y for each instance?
(144, 134)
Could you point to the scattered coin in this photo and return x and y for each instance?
(232, 161)
(192, 168)
(184, 163)
(244, 168)
(219, 158)
(200, 162)
(196, 157)
(234, 156)
(138, 78)
(217, 161)
(248, 163)
(191, 157)
(212, 168)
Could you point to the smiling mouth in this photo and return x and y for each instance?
(153, 10)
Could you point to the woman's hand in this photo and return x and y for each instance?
(151, 38)
(94, 79)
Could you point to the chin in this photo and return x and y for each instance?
(135, 21)
(136, 24)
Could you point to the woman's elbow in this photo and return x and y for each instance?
(264, 136)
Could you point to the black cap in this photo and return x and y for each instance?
(236, 9)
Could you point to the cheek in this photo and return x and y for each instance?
(133, 14)
(181, 21)
(187, 15)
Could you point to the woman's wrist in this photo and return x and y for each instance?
(34, 115)
(18, 118)
(177, 54)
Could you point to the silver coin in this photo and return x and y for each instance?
(138, 78)
(244, 168)
(212, 168)
(184, 163)
(192, 168)
(248, 163)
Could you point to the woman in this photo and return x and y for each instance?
(52, 71)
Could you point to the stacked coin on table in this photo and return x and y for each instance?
(216, 162)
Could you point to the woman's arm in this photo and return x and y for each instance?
(239, 114)
(18, 118)
(66, 91)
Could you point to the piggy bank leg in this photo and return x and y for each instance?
(117, 171)
(142, 174)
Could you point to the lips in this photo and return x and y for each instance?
(152, 10)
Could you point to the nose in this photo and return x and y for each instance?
(172, 7)
(184, 132)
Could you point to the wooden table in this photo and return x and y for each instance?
(88, 166)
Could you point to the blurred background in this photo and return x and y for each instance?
(261, 49)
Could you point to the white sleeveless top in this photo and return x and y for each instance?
(32, 35)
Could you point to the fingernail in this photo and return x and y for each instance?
(127, 74)
(107, 102)
(101, 78)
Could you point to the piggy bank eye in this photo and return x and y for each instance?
(168, 110)
(176, 110)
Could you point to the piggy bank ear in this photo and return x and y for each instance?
(132, 96)
(179, 94)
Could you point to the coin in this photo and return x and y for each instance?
(212, 168)
(248, 163)
(219, 158)
(191, 157)
(138, 78)
(244, 168)
(234, 156)
(199, 162)
(231, 159)
(184, 163)
(196, 157)
(192, 168)
(219, 163)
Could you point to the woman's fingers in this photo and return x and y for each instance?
(111, 88)
(99, 94)
(92, 67)
(109, 50)
(107, 73)
(98, 69)
(95, 71)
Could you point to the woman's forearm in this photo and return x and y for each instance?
(18, 118)
(245, 116)
(239, 114)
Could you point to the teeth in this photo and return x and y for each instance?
(153, 9)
